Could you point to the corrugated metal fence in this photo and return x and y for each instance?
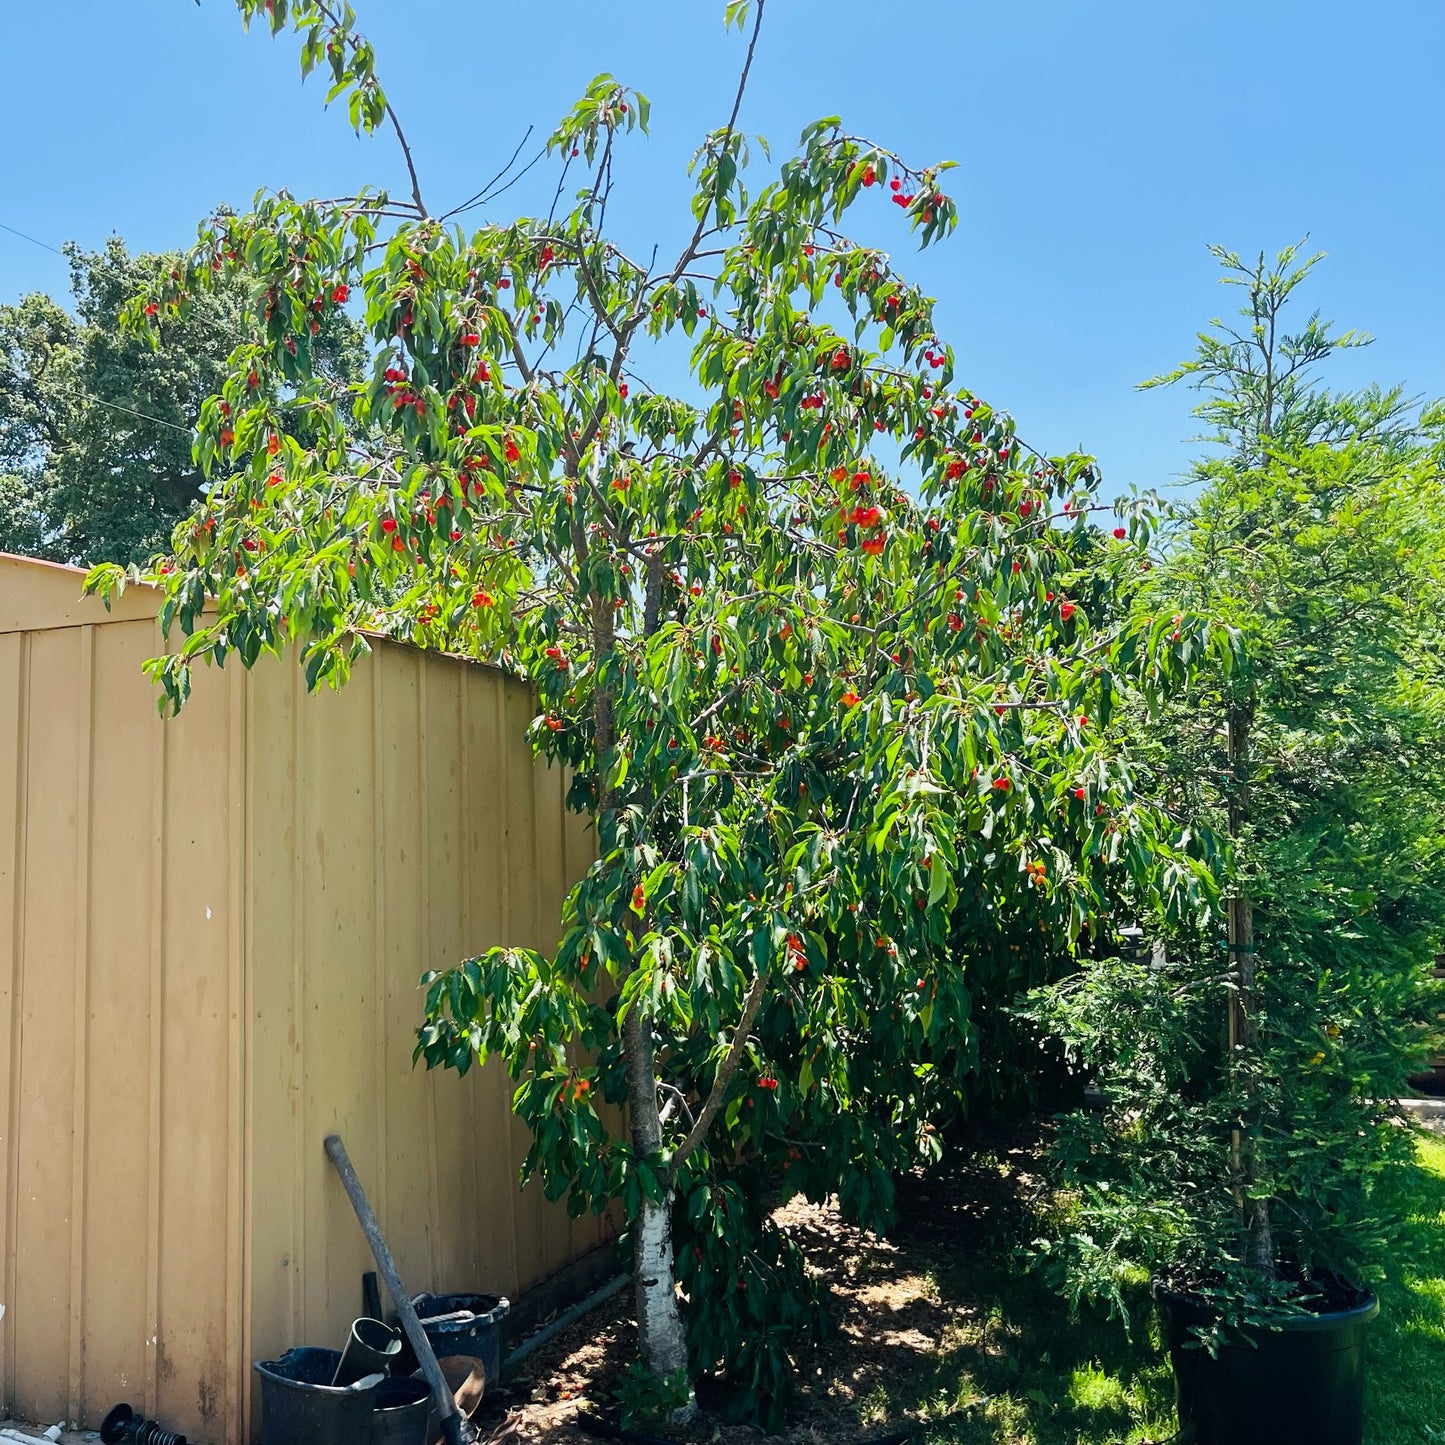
(212, 931)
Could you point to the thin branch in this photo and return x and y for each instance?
(410, 164)
(689, 253)
(482, 195)
(724, 1076)
(328, 13)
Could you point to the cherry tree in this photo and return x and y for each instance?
(830, 652)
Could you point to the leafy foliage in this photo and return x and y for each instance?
(830, 653)
(1317, 536)
(96, 427)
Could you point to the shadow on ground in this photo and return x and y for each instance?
(936, 1326)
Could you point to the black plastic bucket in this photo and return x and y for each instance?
(479, 1336)
(1303, 1380)
(300, 1406)
(403, 1410)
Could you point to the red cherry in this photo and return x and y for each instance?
(1002, 784)
(1066, 610)
(1120, 533)
(895, 184)
(1079, 794)
(388, 524)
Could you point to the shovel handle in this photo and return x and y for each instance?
(455, 1430)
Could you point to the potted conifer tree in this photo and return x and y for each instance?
(1247, 1067)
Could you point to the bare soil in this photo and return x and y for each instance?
(899, 1306)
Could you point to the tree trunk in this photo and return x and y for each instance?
(659, 1325)
(1244, 1012)
(660, 1332)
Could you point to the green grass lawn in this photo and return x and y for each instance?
(1017, 1371)
(1406, 1400)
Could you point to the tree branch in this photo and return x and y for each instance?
(689, 253)
(724, 1075)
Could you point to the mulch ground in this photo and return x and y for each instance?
(892, 1317)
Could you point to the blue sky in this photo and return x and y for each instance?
(1104, 145)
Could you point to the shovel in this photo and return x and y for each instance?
(455, 1430)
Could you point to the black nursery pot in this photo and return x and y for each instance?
(1300, 1383)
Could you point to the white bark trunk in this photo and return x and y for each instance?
(660, 1332)
(659, 1322)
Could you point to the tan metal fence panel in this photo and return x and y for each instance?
(419, 831)
(211, 933)
(123, 1082)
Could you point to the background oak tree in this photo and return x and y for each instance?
(97, 426)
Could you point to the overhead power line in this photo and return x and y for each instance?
(82, 396)
(44, 245)
(116, 406)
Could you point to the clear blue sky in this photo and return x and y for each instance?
(1105, 143)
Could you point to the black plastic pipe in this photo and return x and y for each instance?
(122, 1423)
